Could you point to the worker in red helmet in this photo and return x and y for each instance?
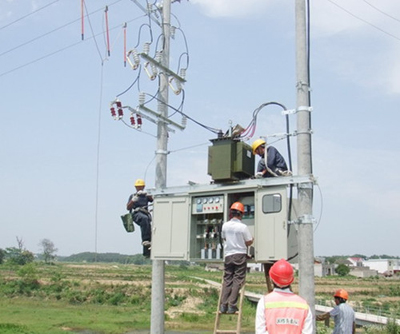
(237, 238)
(282, 311)
(342, 314)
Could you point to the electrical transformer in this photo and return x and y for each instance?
(230, 160)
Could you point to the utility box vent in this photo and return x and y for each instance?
(230, 160)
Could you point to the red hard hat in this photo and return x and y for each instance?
(281, 273)
(341, 293)
(238, 206)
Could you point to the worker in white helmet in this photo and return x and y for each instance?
(271, 163)
(138, 207)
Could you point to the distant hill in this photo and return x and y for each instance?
(105, 257)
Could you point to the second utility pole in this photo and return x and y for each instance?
(158, 266)
(305, 190)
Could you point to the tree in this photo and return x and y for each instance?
(2, 255)
(19, 255)
(342, 270)
(48, 250)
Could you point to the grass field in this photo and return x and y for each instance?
(116, 299)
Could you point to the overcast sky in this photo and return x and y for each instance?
(67, 168)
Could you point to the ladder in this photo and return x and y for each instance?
(238, 314)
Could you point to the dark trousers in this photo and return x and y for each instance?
(235, 267)
(144, 221)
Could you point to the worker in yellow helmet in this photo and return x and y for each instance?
(138, 207)
(271, 163)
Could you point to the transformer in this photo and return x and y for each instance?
(230, 160)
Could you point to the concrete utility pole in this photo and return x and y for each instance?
(158, 266)
(305, 190)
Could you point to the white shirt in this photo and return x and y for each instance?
(235, 234)
(260, 317)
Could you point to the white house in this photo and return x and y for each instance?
(356, 261)
(383, 265)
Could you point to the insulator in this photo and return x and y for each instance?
(178, 89)
(132, 120)
(182, 73)
(119, 104)
(146, 48)
(151, 76)
(184, 121)
(139, 120)
(113, 112)
(154, 71)
(158, 56)
(120, 113)
(149, 8)
(135, 56)
(172, 32)
(142, 98)
(136, 60)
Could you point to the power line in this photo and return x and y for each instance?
(25, 16)
(365, 21)
(57, 51)
(381, 11)
(91, 29)
(54, 30)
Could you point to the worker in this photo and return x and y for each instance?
(237, 238)
(138, 207)
(282, 311)
(276, 164)
(342, 314)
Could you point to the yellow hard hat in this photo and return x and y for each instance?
(139, 182)
(257, 143)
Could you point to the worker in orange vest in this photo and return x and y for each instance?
(282, 311)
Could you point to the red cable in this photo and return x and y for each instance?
(125, 44)
(82, 20)
(108, 36)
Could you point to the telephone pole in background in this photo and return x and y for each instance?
(305, 190)
(158, 266)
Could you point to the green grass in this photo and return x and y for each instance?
(39, 317)
(114, 299)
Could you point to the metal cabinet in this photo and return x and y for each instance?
(187, 224)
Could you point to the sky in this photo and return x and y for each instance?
(67, 167)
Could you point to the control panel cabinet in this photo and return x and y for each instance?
(170, 229)
(188, 226)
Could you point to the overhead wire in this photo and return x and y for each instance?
(52, 31)
(27, 15)
(94, 37)
(132, 84)
(365, 21)
(322, 208)
(214, 130)
(98, 156)
(381, 11)
(129, 126)
(59, 50)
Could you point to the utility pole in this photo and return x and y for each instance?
(158, 266)
(305, 191)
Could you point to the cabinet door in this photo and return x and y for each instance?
(271, 227)
(170, 228)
